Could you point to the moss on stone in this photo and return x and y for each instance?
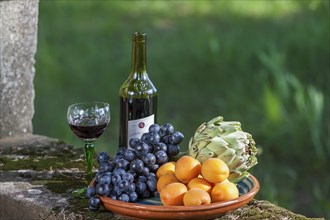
(76, 205)
(65, 185)
(39, 164)
(43, 158)
(260, 209)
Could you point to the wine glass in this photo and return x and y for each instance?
(88, 121)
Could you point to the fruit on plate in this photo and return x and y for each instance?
(214, 170)
(168, 167)
(187, 168)
(224, 191)
(172, 194)
(200, 183)
(196, 196)
(227, 141)
(212, 186)
(165, 180)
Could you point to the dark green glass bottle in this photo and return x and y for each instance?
(138, 95)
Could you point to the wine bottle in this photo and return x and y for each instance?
(138, 96)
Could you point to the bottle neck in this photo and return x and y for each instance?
(139, 66)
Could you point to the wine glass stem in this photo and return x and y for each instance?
(89, 155)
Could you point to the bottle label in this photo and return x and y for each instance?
(137, 127)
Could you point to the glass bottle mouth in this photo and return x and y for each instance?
(139, 37)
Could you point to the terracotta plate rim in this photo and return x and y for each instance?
(156, 208)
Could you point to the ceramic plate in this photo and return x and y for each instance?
(153, 208)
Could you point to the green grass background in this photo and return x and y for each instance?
(263, 63)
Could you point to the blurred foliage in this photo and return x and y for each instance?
(263, 63)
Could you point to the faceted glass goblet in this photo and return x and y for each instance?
(88, 121)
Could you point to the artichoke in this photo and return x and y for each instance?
(227, 141)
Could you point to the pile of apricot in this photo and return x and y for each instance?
(188, 182)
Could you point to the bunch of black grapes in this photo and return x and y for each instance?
(131, 173)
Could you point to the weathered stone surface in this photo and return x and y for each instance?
(18, 44)
(38, 174)
(32, 201)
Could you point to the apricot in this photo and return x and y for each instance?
(166, 179)
(214, 170)
(168, 167)
(224, 191)
(196, 196)
(187, 168)
(172, 194)
(200, 183)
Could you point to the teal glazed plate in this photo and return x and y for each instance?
(153, 209)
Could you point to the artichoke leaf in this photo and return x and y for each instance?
(237, 162)
(237, 135)
(227, 156)
(236, 177)
(199, 130)
(204, 154)
(236, 140)
(220, 149)
(228, 127)
(233, 124)
(197, 146)
(215, 121)
(217, 142)
(235, 144)
(252, 161)
(210, 132)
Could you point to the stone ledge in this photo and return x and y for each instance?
(38, 174)
(27, 140)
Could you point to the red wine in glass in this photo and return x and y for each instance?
(88, 132)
